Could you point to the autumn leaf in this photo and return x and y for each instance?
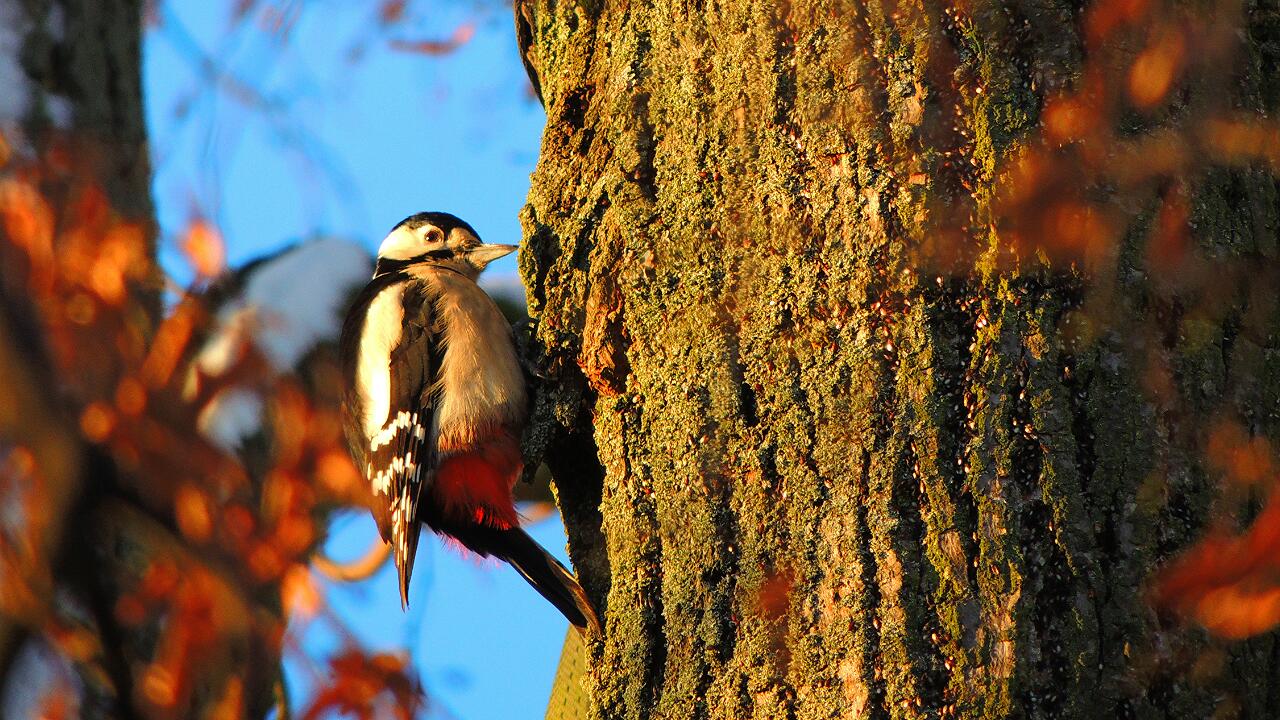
(1230, 585)
(1156, 68)
(204, 248)
(391, 11)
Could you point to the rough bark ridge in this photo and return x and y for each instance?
(838, 481)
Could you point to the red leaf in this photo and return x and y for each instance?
(1229, 585)
(392, 11)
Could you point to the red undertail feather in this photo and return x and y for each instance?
(475, 486)
(472, 489)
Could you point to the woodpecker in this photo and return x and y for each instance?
(434, 404)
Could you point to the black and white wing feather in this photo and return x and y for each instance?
(394, 356)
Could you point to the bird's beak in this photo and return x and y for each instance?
(484, 254)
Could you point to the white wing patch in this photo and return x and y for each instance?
(404, 419)
(381, 333)
(403, 465)
(384, 470)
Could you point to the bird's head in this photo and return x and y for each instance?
(439, 239)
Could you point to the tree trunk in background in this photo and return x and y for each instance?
(853, 461)
(75, 124)
(82, 62)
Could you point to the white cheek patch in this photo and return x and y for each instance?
(380, 334)
(401, 244)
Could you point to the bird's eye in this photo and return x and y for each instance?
(433, 235)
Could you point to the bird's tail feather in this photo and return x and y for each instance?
(406, 547)
(551, 579)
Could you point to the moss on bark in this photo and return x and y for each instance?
(841, 479)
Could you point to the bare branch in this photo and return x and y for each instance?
(361, 568)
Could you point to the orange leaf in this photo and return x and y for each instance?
(391, 11)
(27, 219)
(193, 513)
(299, 592)
(1228, 584)
(96, 422)
(1239, 611)
(1069, 119)
(1155, 69)
(203, 246)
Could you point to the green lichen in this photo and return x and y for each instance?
(954, 478)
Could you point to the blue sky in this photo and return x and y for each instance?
(339, 146)
(299, 139)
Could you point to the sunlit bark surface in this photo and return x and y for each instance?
(865, 447)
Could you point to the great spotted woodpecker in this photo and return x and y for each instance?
(435, 402)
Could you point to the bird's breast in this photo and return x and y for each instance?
(480, 388)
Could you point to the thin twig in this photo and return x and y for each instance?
(361, 568)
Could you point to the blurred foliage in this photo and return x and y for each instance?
(200, 557)
(1116, 182)
(197, 552)
(147, 570)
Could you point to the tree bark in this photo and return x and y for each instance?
(73, 74)
(83, 62)
(95, 529)
(856, 456)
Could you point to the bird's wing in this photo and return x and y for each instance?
(409, 456)
(400, 458)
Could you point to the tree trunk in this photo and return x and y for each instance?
(75, 177)
(78, 67)
(865, 447)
